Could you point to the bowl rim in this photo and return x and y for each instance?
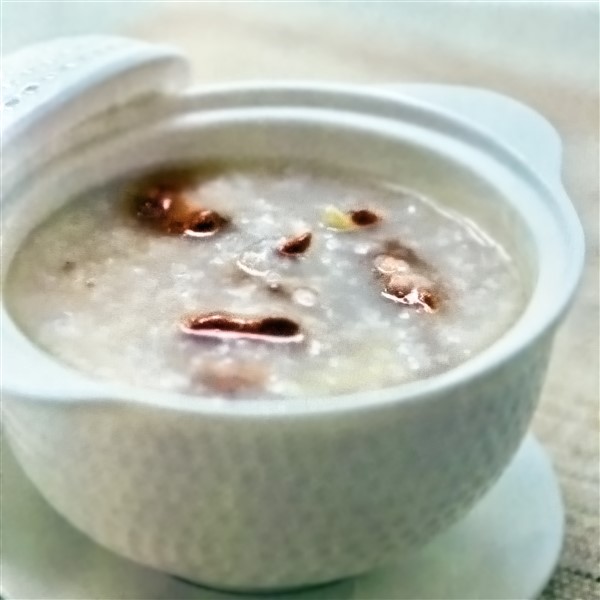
(97, 391)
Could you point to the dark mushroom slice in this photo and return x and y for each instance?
(277, 330)
(295, 246)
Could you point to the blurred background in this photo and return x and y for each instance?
(545, 54)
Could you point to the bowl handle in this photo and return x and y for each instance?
(523, 129)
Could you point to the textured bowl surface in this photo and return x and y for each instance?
(279, 502)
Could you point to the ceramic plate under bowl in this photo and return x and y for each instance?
(507, 547)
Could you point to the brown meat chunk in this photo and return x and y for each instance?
(413, 290)
(294, 246)
(272, 329)
(231, 377)
(364, 217)
(387, 265)
(168, 209)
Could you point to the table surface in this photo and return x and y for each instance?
(544, 54)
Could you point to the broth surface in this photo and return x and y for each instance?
(375, 284)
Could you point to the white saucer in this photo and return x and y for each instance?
(506, 548)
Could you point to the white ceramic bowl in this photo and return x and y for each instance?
(276, 494)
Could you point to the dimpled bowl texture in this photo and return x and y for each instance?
(263, 495)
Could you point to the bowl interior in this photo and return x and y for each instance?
(479, 183)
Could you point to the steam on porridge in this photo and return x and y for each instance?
(261, 281)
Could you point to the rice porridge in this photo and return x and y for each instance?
(271, 281)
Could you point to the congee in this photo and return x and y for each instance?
(262, 280)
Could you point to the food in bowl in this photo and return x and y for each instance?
(264, 494)
(262, 279)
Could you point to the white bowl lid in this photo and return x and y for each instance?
(51, 87)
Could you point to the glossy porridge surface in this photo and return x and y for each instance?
(380, 285)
